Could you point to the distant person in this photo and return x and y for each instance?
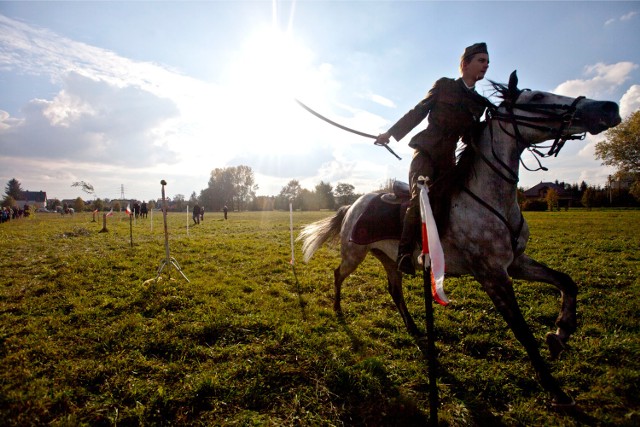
(196, 214)
(225, 210)
(144, 209)
(202, 213)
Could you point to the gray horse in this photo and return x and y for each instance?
(482, 230)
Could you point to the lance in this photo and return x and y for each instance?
(338, 125)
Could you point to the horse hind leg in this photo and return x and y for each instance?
(527, 268)
(352, 257)
(394, 281)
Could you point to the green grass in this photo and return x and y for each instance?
(87, 339)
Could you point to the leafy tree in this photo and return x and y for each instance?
(291, 192)
(229, 186)
(520, 196)
(552, 199)
(52, 203)
(193, 200)
(179, 202)
(78, 205)
(97, 204)
(621, 149)
(245, 186)
(588, 198)
(310, 200)
(219, 191)
(8, 202)
(324, 195)
(345, 194)
(14, 189)
(263, 203)
(635, 190)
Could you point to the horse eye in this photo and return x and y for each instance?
(537, 97)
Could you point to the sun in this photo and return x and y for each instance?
(269, 72)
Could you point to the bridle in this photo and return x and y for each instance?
(565, 116)
(552, 113)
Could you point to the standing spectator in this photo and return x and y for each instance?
(225, 210)
(196, 214)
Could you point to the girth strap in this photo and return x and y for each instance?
(515, 233)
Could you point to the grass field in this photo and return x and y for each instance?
(86, 340)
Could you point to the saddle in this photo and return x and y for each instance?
(383, 217)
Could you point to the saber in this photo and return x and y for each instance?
(338, 125)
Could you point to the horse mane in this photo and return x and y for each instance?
(454, 181)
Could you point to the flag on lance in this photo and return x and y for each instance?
(431, 246)
(128, 210)
(110, 213)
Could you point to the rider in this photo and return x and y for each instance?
(453, 107)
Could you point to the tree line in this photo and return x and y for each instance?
(236, 187)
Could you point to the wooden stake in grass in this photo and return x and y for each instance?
(104, 224)
(168, 258)
(131, 228)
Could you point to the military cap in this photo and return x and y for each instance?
(474, 49)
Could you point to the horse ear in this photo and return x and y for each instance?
(513, 82)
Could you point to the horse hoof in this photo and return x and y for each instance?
(555, 344)
(565, 403)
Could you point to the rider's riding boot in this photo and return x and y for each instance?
(410, 229)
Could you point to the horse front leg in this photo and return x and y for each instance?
(500, 290)
(527, 268)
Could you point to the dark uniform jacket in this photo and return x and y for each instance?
(452, 111)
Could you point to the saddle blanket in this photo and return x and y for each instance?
(379, 221)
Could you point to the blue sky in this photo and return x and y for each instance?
(129, 93)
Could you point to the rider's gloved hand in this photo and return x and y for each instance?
(382, 139)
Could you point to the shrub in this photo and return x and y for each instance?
(534, 205)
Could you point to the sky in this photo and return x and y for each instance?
(124, 94)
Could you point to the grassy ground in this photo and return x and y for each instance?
(85, 339)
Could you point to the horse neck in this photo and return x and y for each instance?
(499, 180)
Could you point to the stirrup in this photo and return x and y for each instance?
(405, 265)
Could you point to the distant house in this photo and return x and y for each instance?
(37, 199)
(539, 192)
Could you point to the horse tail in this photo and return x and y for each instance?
(316, 234)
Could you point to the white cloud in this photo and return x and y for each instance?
(628, 16)
(92, 121)
(623, 18)
(604, 78)
(379, 99)
(630, 101)
(139, 118)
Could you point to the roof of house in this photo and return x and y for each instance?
(35, 196)
(539, 190)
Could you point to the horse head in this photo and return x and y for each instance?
(533, 117)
